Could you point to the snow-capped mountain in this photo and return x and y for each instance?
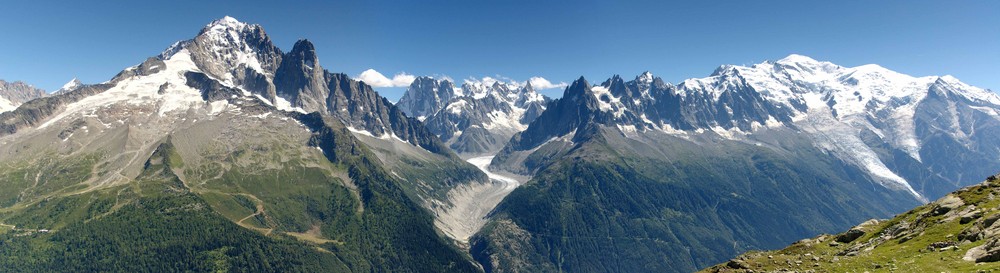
(425, 96)
(241, 55)
(477, 118)
(13, 94)
(679, 175)
(69, 86)
(228, 118)
(229, 65)
(891, 125)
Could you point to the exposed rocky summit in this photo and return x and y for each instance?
(876, 119)
(19, 92)
(476, 119)
(426, 96)
(750, 137)
(13, 94)
(226, 149)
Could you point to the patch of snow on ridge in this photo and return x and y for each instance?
(533, 97)
(384, 136)
(669, 129)
(843, 141)
(226, 34)
(143, 90)
(217, 107)
(501, 120)
(971, 92)
(606, 101)
(284, 105)
(6, 105)
(363, 132)
(74, 83)
(989, 111)
(456, 107)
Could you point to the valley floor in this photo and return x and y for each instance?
(469, 204)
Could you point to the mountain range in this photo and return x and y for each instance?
(224, 152)
(476, 119)
(228, 154)
(668, 177)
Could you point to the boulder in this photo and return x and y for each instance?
(850, 235)
(940, 245)
(969, 217)
(971, 234)
(737, 264)
(946, 204)
(988, 252)
(989, 220)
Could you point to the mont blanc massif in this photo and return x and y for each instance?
(225, 152)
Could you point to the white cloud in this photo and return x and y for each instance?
(488, 81)
(402, 79)
(539, 83)
(376, 79)
(444, 78)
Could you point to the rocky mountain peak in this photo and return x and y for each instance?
(577, 89)
(617, 86)
(230, 34)
(424, 83)
(645, 77)
(527, 87)
(305, 52)
(425, 96)
(972, 93)
(19, 92)
(71, 84)
(236, 53)
(723, 69)
(478, 118)
(221, 27)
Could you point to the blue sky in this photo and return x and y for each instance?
(48, 43)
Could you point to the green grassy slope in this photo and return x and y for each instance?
(931, 238)
(258, 205)
(603, 208)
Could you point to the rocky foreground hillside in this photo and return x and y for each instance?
(957, 233)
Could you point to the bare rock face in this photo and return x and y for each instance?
(36, 111)
(988, 252)
(476, 119)
(946, 204)
(19, 92)
(426, 96)
(234, 51)
(985, 228)
(148, 67)
(242, 57)
(212, 101)
(850, 235)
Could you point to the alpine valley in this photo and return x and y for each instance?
(226, 153)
